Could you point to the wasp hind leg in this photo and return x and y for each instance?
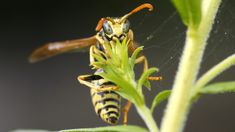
(125, 111)
(96, 82)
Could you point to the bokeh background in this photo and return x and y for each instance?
(46, 95)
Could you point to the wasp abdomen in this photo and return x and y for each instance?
(107, 105)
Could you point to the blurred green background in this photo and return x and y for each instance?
(46, 95)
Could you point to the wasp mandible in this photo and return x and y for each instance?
(105, 100)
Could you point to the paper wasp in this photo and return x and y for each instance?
(105, 100)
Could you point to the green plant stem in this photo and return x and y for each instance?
(147, 116)
(177, 107)
(143, 110)
(179, 102)
(212, 73)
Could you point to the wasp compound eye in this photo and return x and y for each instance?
(126, 26)
(107, 28)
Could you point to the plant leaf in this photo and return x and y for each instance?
(134, 55)
(98, 57)
(221, 87)
(120, 128)
(163, 95)
(147, 84)
(190, 11)
(144, 77)
(126, 90)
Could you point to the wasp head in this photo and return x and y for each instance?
(118, 28)
(113, 29)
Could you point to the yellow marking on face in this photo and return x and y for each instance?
(117, 27)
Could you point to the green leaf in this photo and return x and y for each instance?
(159, 98)
(126, 90)
(98, 57)
(190, 11)
(144, 77)
(221, 87)
(134, 55)
(99, 64)
(147, 84)
(120, 128)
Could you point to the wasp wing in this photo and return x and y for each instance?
(55, 48)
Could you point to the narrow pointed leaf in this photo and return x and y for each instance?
(99, 58)
(98, 64)
(160, 98)
(145, 76)
(134, 55)
(221, 87)
(147, 84)
(190, 11)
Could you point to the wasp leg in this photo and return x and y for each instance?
(157, 78)
(125, 112)
(143, 59)
(89, 80)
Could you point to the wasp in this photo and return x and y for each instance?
(106, 101)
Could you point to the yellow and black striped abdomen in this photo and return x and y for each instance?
(107, 105)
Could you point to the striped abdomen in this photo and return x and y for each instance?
(107, 105)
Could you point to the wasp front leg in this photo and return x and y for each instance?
(97, 83)
(94, 81)
(142, 59)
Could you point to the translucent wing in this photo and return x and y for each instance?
(55, 48)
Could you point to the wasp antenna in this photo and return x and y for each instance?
(99, 25)
(146, 5)
(137, 9)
